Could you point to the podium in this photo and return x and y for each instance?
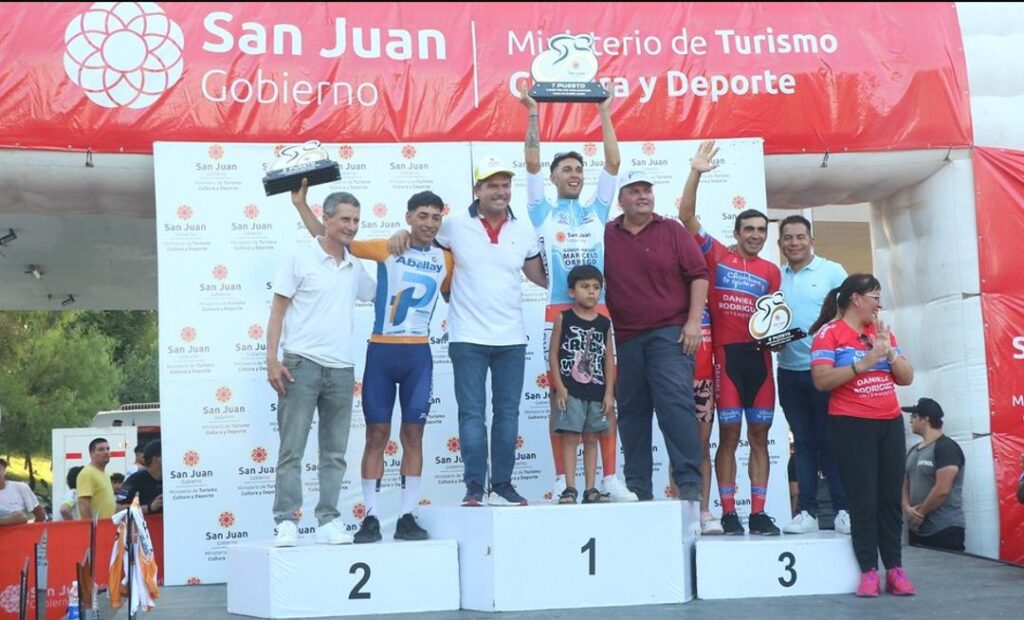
(560, 557)
(788, 565)
(341, 580)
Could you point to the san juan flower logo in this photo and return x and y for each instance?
(123, 54)
(256, 331)
(359, 511)
(215, 151)
(188, 334)
(560, 237)
(251, 211)
(453, 445)
(226, 519)
(193, 581)
(346, 152)
(544, 381)
(185, 212)
(409, 151)
(739, 202)
(519, 442)
(590, 149)
(424, 502)
(219, 272)
(380, 210)
(190, 458)
(223, 394)
(648, 148)
(259, 454)
(392, 448)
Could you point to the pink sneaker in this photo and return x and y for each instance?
(896, 582)
(868, 583)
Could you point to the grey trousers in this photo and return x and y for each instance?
(328, 391)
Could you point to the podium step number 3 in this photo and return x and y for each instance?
(748, 567)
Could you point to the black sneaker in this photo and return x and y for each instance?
(474, 495)
(408, 529)
(504, 494)
(369, 531)
(762, 524)
(731, 524)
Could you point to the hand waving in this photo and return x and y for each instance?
(703, 160)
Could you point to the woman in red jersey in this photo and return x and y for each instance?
(857, 359)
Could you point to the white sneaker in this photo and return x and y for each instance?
(617, 490)
(560, 485)
(802, 523)
(287, 534)
(333, 533)
(710, 525)
(842, 522)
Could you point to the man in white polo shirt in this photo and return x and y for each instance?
(490, 246)
(314, 295)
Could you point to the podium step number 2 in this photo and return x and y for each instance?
(321, 580)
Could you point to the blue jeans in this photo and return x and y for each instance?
(806, 411)
(656, 376)
(470, 363)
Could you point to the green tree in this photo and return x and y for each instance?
(134, 334)
(57, 373)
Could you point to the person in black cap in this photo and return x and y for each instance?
(933, 486)
(147, 483)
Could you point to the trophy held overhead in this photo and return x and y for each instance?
(565, 71)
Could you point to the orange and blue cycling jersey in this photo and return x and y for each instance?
(399, 351)
(407, 290)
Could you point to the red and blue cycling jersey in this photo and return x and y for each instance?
(736, 283)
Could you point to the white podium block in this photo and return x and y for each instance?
(558, 557)
(691, 533)
(342, 580)
(788, 565)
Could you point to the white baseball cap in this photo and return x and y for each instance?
(634, 176)
(490, 166)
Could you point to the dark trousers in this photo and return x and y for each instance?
(806, 411)
(951, 539)
(870, 454)
(655, 375)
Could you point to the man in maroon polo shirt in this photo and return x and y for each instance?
(657, 284)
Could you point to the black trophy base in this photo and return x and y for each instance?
(782, 338)
(568, 92)
(290, 178)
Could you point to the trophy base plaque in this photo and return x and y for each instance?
(290, 178)
(568, 92)
(779, 339)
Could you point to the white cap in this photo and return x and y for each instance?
(634, 176)
(490, 166)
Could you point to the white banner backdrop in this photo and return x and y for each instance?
(219, 239)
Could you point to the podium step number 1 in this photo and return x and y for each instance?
(559, 557)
